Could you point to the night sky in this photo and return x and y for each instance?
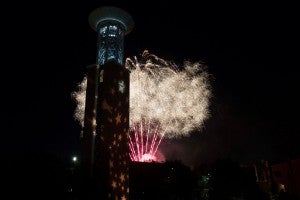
(250, 49)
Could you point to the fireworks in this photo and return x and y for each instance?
(79, 97)
(165, 101)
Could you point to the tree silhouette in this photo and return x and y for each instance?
(229, 181)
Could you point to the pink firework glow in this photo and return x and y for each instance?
(165, 101)
(143, 145)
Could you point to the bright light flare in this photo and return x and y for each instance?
(74, 158)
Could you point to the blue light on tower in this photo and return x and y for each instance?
(112, 24)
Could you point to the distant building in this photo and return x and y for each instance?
(286, 175)
(276, 177)
(261, 171)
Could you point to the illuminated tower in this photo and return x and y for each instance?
(106, 123)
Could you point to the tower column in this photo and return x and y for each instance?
(106, 126)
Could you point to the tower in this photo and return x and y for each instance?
(106, 124)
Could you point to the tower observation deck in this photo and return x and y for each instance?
(112, 24)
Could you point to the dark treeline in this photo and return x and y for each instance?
(45, 175)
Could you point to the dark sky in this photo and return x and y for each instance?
(251, 50)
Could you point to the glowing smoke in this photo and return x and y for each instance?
(165, 101)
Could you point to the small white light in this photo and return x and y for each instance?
(74, 158)
(121, 86)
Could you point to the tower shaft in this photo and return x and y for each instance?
(106, 125)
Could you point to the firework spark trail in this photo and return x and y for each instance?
(133, 153)
(137, 142)
(147, 137)
(142, 141)
(79, 97)
(172, 100)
